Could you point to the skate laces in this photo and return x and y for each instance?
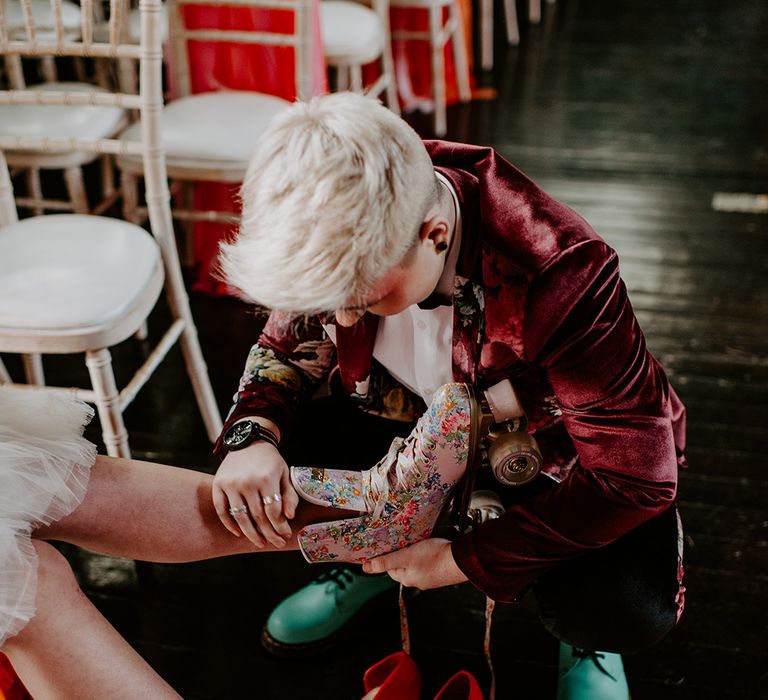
(379, 476)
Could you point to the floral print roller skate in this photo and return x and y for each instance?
(401, 498)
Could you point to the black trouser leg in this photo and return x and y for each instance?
(619, 598)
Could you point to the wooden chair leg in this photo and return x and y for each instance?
(387, 60)
(513, 27)
(186, 197)
(201, 383)
(356, 76)
(14, 72)
(438, 69)
(99, 363)
(190, 345)
(534, 11)
(5, 378)
(102, 74)
(130, 185)
(460, 53)
(107, 176)
(342, 78)
(33, 369)
(127, 79)
(35, 189)
(76, 189)
(81, 74)
(486, 34)
(48, 69)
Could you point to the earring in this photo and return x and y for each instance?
(441, 247)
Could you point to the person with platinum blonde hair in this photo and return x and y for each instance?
(393, 266)
(322, 157)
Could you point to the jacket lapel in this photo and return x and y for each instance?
(354, 350)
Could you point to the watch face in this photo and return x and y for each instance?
(238, 434)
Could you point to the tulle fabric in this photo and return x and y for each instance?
(44, 467)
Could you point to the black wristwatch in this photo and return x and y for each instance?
(245, 432)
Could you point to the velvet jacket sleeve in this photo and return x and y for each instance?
(615, 400)
(290, 358)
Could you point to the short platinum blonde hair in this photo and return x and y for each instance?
(334, 197)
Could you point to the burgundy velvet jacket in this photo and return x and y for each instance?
(538, 299)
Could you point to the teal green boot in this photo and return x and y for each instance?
(314, 616)
(590, 675)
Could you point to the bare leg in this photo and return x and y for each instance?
(68, 651)
(154, 512)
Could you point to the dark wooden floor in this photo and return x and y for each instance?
(634, 113)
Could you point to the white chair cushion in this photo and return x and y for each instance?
(352, 33)
(61, 121)
(67, 271)
(216, 126)
(42, 14)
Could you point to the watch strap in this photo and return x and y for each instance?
(262, 433)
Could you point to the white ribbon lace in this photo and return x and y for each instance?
(377, 493)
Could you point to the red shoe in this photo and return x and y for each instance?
(11, 688)
(462, 686)
(393, 678)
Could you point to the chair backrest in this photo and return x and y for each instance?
(60, 40)
(267, 23)
(43, 15)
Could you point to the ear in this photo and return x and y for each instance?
(435, 230)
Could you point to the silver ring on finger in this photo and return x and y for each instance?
(274, 498)
(238, 510)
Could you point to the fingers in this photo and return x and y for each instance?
(382, 564)
(265, 527)
(273, 509)
(385, 565)
(235, 514)
(244, 519)
(290, 497)
(221, 504)
(252, 480)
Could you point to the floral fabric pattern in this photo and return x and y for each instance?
(386, 398)
(262, 365)
(468, 300)
(403, 494)
(330, 487)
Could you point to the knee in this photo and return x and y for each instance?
(55, 585)
(53, 570)
(621, 624)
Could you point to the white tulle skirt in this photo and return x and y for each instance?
(44, 467)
